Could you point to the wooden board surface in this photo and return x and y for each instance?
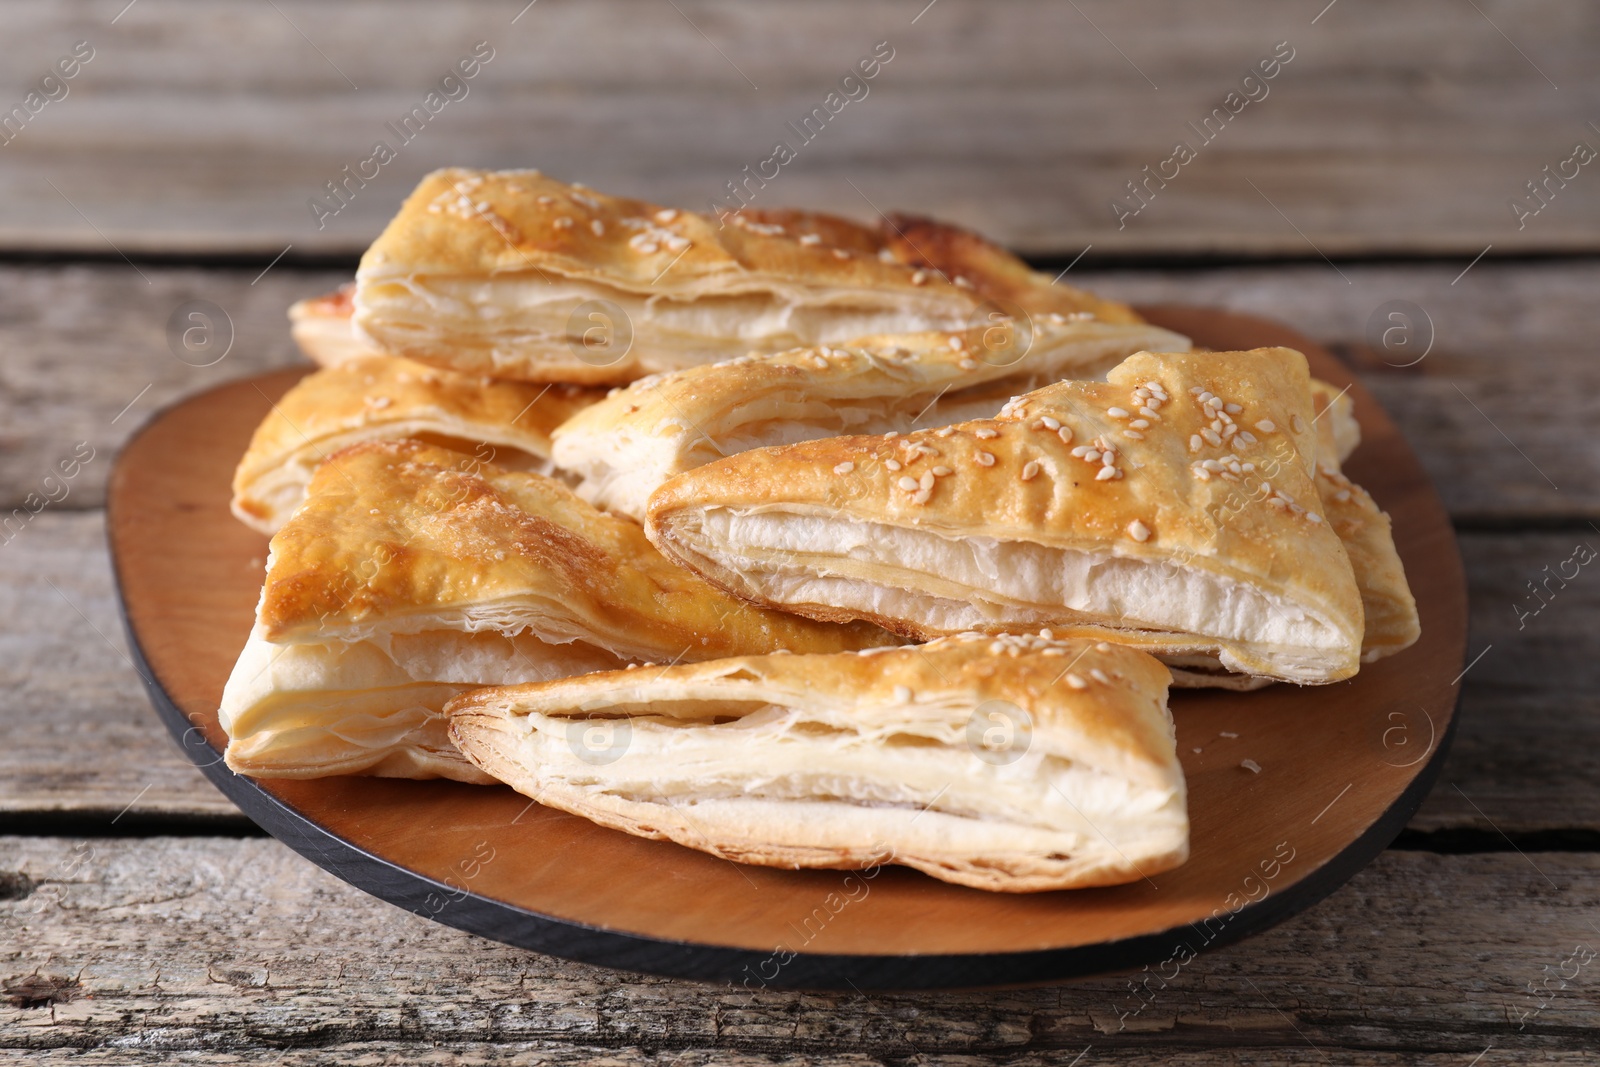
(1316, 810)
(200, 127)
(211, 951)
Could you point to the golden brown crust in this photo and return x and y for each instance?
(1176, 497)
(1098, 708)
(994, 273)
(383, 397)
(395, 534)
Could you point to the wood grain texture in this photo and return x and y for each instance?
(214, 948)
(207, 128)
(77, 344)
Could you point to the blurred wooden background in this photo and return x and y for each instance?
(141, 921)
(203, 127)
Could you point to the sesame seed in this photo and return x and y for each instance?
(1250, 765)
(563, 223)
(983, 433)
(1065, 433)
(1030, 470)
(1140, 424)
(1101, 646)
(1342, 495)
(941, 470)
(891, 435)
(844, 468)
(1298, 423)
(1108, 458)
(1313, 516)
(1232, 409)
(1138, 531)
(1211, 436)
(1099, 675)
(968, 364)
(1247, 437)
(902, 694)
(1076, 682)
(926, 482)
(1201, 473)
(1194, 442)
(1081, 451)
(892, 464)
(666, 214)
(1266, 426)
(1149, 412)
(985, 459)
(908, 483)
(1047, 634)
(1105, 474)
(919, 277)
(811, 239)
(1050, 423)
(921, 496)
(1133, 434)
(1117, 413)
(598, 227)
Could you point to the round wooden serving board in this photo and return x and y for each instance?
(1342, 768)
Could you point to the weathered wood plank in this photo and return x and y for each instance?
(77, 344)
(81, 738)
(206, 127)
(238, 946)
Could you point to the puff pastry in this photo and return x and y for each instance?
(321, 327)
(1392, 623)
(413, 572)
(1098, 509)
(1015, 763)
(625, 446)
(514, 275)
(371, 398)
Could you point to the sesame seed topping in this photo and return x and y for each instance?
(1194, 442)
(908, 483)
(1342, 495)
(1101, 646)
(941, 470)
(985, 459)
(810, 239)
(1117, 413)
(1211, 436)
(1247, 437)
(1105, 474)
(1149, 412)
(892, 464)
(926, 481)
(902, 694)
(1140, 424)
(1050, 423)
(1250, 765)
(1232, 409)
(1065, 433)
(563, 223)
(919, 277)
(968, 364)
(1266, 426)
(891, 435)
(1133, 435)
(598, 227)
(1298, 423)
(844, 468)
(840, 253)
(1099, 675)
(1313, 516)
(666, 215)
(1138, 531)
(1030, 470)
(984, 433)
(1076, 681)
(1108, 458)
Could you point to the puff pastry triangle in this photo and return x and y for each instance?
(1015, 763)
(413, 572)
(629, 443)
(1116, 510)
(373, 398)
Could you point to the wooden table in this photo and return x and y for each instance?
(143, 920)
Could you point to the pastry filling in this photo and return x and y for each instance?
(374, 707)
(513, 314)
(902, 776)
(974, 583)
